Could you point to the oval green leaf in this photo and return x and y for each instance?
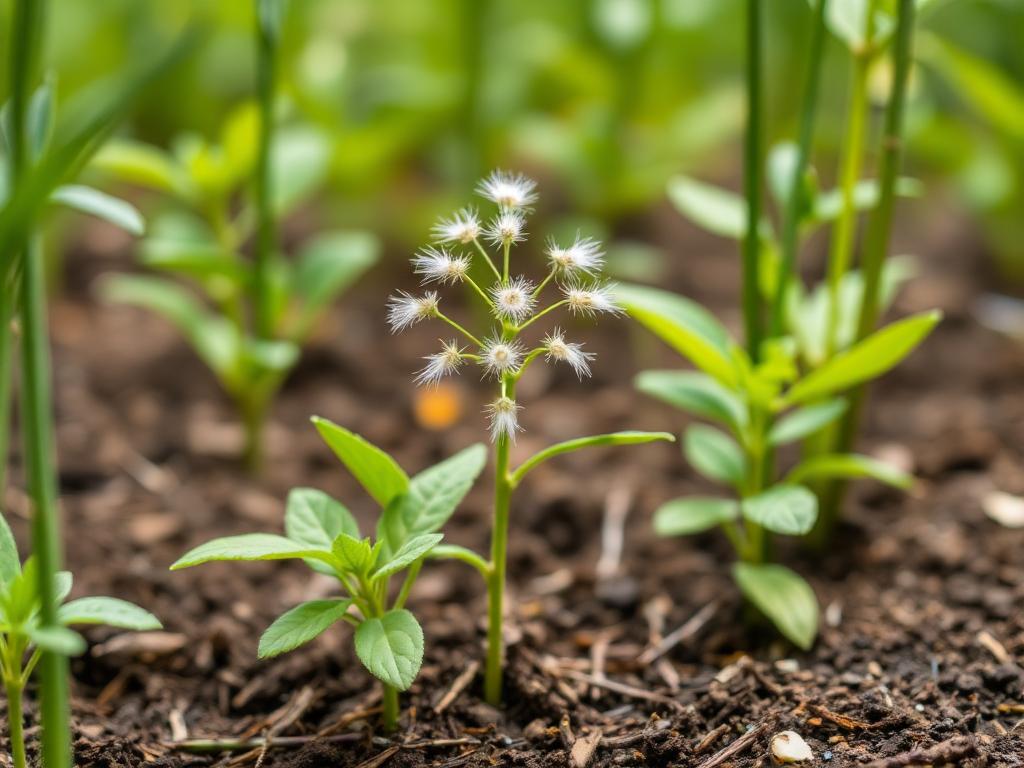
(411, 551)
(301, 624)
(683, 517)
(111, 209)
(378, 473)
(714, 454)
(695, 393)
(806, 421)
(784, 597)
(787, 509)
(109, 611)
(391, 648)
(849, 466)
(251, 547)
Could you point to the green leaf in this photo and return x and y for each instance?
(249, 547)
(101, 205)
(391, 648)
(60, 640)
(463, 555)
(62, 583)
(433, 496)
(10, 563)
(143, 165)
(109, 611)
(851, 466)
(300, 625)
(378, 473)
(717, 210)
(198, 260)
(695, 393)
(787, 509)
(300, 160)
(847, 20)
(411, 551)
(683, 517)
(40, 116)
(325, 267)
(355, 555)
(612, 438)
(806, 421)
(784, 597)
(865, 360)
(315, 519)
(714, 454)
(828, 205)
(685, 326)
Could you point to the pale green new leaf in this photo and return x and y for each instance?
(378, 473)
(355, 555)
(784, 597)
(806, 421)
(60, 640)
(300, 161)
(62, 583)
(411, 551)
(84, 199)
(325, 267)
(714, 454)
(683, 517)
(143, 165)
(866, 359)
(109, 611)
(391, 648)
(249, 547)
(787, 509)
(695, 393)
(300, 625)
(717, 210)
(850, 466)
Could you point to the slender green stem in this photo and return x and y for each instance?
(410, 579)
(540, 314)
(266, 225)
(6, 381)
(254, 416)
(506, 251)
(389, 713)
(543, 283)
(16, 723)
(459, 328)
(499, 558)
(487, 258)
(483, 295)
(796, 200)
(752, 318)
(756, 539)
(844, 233)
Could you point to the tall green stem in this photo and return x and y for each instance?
(796, 201)
(752, 318)
(389, 708)
(267, 30)
(499, 557)
(16, 724)
(6, 382)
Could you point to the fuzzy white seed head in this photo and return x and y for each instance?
(562, 351)
(440, 266)
(513, 300)
(509, 190)
(462, 227)
(441, 364)
(405, 310)
(500, 357)
(583, 256)
(590, 300)
(507, 227)
(504, 417)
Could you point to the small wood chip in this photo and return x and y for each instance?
(583, 750)
(994, 647)
(458, 686)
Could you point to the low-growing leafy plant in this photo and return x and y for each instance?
(257, 311)
(758, 408)
(514, 305)
(323, 533)
(23, 638)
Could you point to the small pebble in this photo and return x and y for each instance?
(789, 747)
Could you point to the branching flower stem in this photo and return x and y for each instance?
(487, 258)
(442, 316)
(541, 314)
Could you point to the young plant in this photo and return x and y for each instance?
(23, 637)
(323, 533)
(758, 408)
(513, 304)
(257, 311)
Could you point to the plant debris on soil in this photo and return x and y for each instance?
(625, 650)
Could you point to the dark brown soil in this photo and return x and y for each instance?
(922, 593)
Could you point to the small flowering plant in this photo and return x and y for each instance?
(324, 534)
(504, 351)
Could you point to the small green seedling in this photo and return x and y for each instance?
(758, 408)
(323, 533)
(22, 636)
(513, 304)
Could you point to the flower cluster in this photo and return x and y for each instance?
(514, 301)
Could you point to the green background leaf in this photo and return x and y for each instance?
(787, 509)
(109, 611)
(683, 517)
(714, 454)
(784, 597)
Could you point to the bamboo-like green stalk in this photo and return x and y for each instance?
(267, 33)
(796, 200)
(36, 413)
(6, 382)
(389, 708)
(752, 172)
(876, 242)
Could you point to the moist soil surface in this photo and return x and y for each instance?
(922, 630)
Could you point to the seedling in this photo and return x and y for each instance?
(758, 408)
(257, 312)
(323, 533)
(23, 638)
(514, 304)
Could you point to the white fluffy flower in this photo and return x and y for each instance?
(463, 227)
(560, 350)
(584, 255)
(589, 300)
(508, 190)
(439, 265)
(507, 227)
(405, 310)
(500, 357)
(504, 417)
(513, 300)
(441, 364)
